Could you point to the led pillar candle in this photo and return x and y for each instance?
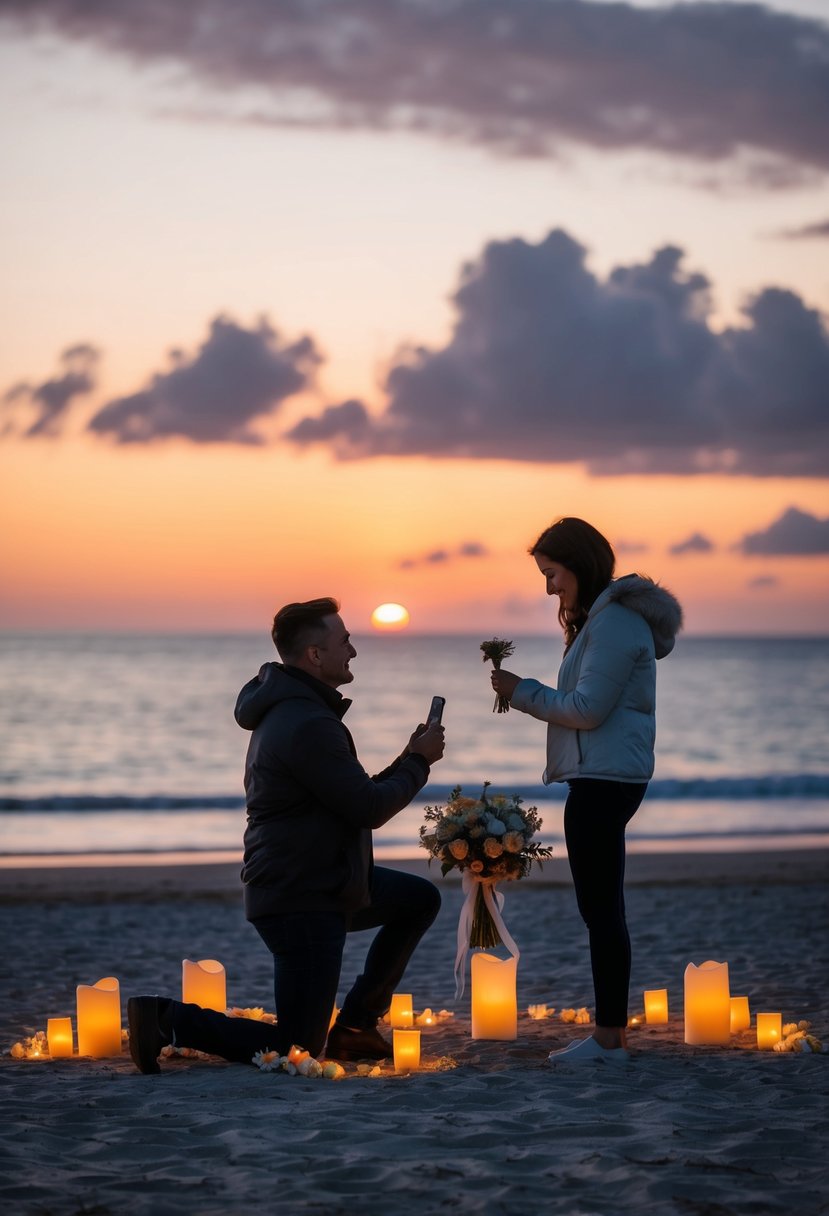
(707, 1004)
(494, 1003)
(401, 1012)
(203, 983)
(406, 1050)
(656, 1006)
(769, 1030)
(740, 1016)
(99, 1018)
(59, 1037)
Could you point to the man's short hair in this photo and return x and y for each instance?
(297, 626)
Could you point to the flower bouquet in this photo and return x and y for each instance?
(490, 840)
(495, 651)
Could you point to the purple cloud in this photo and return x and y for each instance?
(806, 232)
(549, 363)
(693, 79)
(439, 557)
(53, 398)
(695, 543)
(237, 378)
(794, 534)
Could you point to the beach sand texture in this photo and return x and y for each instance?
(679, 1129)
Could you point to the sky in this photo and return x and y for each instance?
(355, 297)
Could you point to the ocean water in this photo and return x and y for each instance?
(121, 742)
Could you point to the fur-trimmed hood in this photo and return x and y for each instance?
(655, 604)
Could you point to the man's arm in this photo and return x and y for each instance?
(325, 764)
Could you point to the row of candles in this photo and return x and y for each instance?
(712, 1015)
(99, 1009)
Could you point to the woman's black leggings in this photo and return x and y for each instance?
(595, 817)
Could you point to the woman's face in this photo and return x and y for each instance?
(560, 581)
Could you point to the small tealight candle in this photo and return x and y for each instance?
(656, 1006)
(296, 1055)
(59, 1037)
(406, 1050)
(740, 1015)
(427, 1018)
(401, 1012)
(769, 1030)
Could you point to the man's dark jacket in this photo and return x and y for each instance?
(311, 804)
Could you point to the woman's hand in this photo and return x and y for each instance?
(505, 683)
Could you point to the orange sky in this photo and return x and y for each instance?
(208, 538)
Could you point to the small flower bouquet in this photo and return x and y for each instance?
(490, 839)
(495, 651)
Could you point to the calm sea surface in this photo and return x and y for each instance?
(113, 742)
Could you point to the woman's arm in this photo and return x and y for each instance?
(606, 665)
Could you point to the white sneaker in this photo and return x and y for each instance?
(583, 1050)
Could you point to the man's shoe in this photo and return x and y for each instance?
(149, 1031)
(345, 1043)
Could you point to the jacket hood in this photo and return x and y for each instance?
(272, 685)
(656, 605)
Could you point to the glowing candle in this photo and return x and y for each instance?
(427, 1018)
(59, 1037)
(401, 1013)
(99, 1018)
(740, 1016)
(296, 1055)
(406, 1050)
(656, 1006)
(707, 1004)
(537, 1012)
(203, 983)
(494, 1004)
(769, 1030)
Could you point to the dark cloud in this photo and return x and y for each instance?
(550, 363)
(695, 543)
(439, 557)
(763, 581)
(794, 534)
(630, 546)
(807, 232)
(51, 400)
(238, 377)
(705, 80)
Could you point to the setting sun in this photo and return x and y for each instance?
(390, 616)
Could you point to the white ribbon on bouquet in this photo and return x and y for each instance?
(494, 901)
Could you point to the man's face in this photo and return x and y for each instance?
(334, 653)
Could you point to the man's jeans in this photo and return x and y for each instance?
(307, 949)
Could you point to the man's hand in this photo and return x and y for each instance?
(505, 683)
(428, 742)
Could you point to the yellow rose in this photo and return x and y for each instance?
(459, 849)
(493, 847)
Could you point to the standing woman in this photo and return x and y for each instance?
(601, 726)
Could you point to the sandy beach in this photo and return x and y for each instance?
(485, 1126)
